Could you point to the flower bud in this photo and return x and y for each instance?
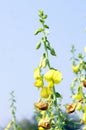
(39, 83)
(75, 68)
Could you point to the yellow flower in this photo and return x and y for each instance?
(48, 76)
(39, 83)
(57, 76)
(75, 68)
(50, 91)
(77, 96)
(41, 128)
(45, 92)
(79, 106)
(84, 118)
(37, 73)
(50, 84)
(53, 75)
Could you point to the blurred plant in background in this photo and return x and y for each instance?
(13, 123)
(78, 86)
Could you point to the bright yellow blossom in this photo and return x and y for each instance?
(45, 92)
(37, 73)
(50, 91)
(39, 83)
(75, 68)
(48, 76)
(50, 84)
(53, 75)
(57, 76)
(77, 96)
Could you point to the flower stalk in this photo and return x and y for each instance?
(49, 116)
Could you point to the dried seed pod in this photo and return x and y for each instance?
(71, 108)
(44, 124)
(41, 105)
(84, 84)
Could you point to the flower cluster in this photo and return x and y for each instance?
(52, 77)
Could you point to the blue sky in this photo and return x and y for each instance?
(18, 57)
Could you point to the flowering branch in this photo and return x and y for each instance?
(49, 114)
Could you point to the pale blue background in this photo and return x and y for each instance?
(18, 57)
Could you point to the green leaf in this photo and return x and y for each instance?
(42, 21)
(79, 89)
(44, 16)
(44, 39)
(46, 26)
(51, 96)
(38, 45)
(40, 13)
(48, 45)
(38, 31)
(55, 102)
(52, 51)
(58, 95)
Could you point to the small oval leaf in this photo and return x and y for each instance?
(58, 95)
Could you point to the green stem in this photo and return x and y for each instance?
(46, 52)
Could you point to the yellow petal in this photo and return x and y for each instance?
(37, 73)
(39, 83)
(50, 84)
(48, 76)
(57, 76)
(50, 91)
(77, 96)
(44, 92)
